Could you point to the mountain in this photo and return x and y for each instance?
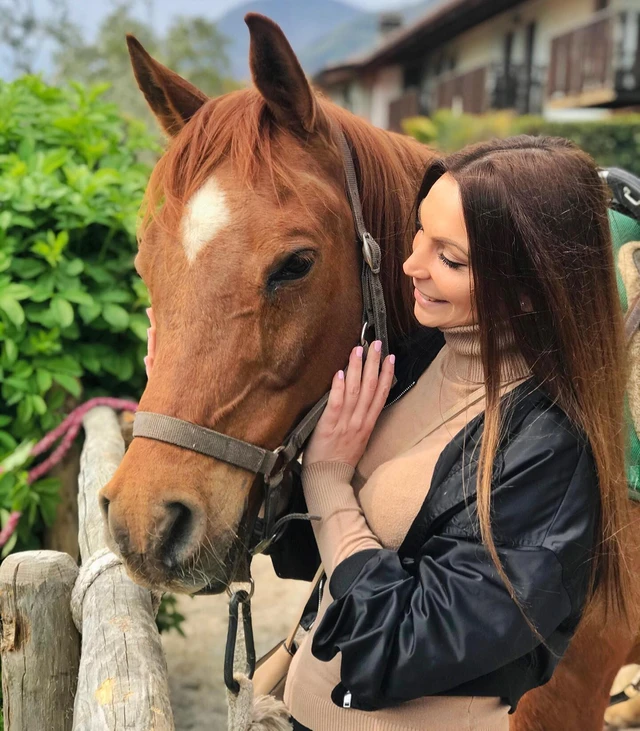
(320, 31)
(357, 36)
(302, 22)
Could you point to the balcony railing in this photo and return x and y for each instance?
(465, 92)
(520, 87)
(597, 63)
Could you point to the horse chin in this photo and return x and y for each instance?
(237, 564)
(215, 587)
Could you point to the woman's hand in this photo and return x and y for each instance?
(151, 342)
(354, 405)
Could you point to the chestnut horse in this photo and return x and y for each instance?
(249, 256)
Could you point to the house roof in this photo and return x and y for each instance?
(438, 25)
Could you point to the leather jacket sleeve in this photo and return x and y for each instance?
(421, 626)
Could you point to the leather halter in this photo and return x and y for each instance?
(272, 464)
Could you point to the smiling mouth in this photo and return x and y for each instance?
(421, 295)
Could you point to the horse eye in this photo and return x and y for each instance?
(295, 267)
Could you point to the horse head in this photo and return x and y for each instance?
(248, 251)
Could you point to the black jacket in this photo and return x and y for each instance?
(434, 617)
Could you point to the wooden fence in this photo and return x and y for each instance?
(100, 666)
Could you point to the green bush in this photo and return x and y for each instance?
(72, 320)
(614, 141)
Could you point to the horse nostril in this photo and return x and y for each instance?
(177, 532)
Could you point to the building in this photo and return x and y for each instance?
(558, 58)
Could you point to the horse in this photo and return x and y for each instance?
(247, 249)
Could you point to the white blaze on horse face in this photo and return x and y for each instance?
(206, 214)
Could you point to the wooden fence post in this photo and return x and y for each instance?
(40, 645)
(123, 673)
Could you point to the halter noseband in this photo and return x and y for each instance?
(272, 464)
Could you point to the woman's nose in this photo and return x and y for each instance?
(415, 268)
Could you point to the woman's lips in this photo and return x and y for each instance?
(426, 301)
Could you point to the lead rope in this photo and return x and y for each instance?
(247, 712)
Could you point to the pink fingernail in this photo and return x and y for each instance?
(341, 375)
(392, 358)
(359, 351)
(148, 331)
(148, 311)
(378, 346)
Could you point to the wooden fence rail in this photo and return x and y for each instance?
(122, 674)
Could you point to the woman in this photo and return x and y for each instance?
(463, 529)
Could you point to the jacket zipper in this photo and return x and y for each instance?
(346, 701)
(399, 396)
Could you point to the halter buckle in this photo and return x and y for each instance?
(363, 334)
(368, 252)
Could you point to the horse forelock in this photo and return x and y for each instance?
(238, 128)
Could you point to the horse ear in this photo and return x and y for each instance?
(279, 77)
(172, 99)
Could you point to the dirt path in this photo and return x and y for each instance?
(195, 663)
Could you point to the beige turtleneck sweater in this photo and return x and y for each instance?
(373, 507)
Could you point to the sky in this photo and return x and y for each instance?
(221, 6)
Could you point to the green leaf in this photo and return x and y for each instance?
(64, 364)
(5, 261)
(39, 405)
(4, 420)
(78, 297)
(19, 291)
(10, 352)
(47, 486)
(9, 545)
(43, 379)
(88, 313)
(116, 316)
(18, 457)
(7, 442)
(28, 268)
(69, 383)
(25, 409)
(139, 324)
(13, 309)
(62, 311)
(74, 267)
(5, 220)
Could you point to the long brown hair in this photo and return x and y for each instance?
(535, 211)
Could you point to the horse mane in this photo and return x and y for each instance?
(239, 127)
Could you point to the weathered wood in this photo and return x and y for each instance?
(63, 534)
(123, 673)
(40, 645)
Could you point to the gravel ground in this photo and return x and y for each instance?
(195, 663)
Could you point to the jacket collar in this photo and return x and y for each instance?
(414, 355)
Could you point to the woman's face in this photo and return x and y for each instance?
(439, 264)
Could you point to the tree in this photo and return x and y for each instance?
(195, 48)
(24, 31)
(107, 59)
(192, 46)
